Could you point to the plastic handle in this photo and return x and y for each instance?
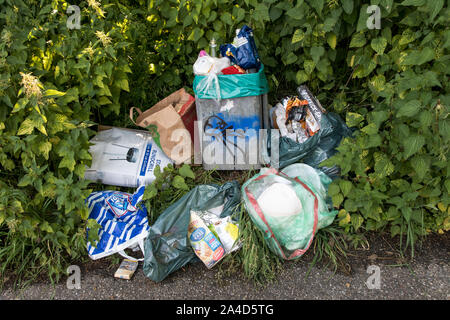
(141, 246)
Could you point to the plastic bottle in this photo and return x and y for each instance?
(212, 46)
(235, 40)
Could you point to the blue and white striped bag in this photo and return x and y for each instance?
(122, 223)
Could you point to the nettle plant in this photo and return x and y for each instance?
(395, 169)
(52, 79)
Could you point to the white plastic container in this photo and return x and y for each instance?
(122, 157)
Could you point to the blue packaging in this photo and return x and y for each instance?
(243, 50)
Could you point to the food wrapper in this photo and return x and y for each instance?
(313, 104)
(312, 124)
(225, 229)
(205, 244)
(228, 233)
(126, 269)
(298, 119)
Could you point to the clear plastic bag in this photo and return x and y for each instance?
(289, 236)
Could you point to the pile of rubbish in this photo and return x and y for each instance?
(309, 133)
(240, 57)
(289, 205)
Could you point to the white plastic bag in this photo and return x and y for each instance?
(206, 65)
(210, 67)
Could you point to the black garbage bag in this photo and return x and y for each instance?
(167, 247)
(316, 149)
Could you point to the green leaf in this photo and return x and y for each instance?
(26, 127)
(301, 77)
(431, 79)
(239, 14)
(416, 3)
(383, 166)
(44, 148)
(345, 220)
(353, 119)
(53, 93)
(275, 13)
(379, 44)
(333, 189)
(317, 5)
(290, 59)
(150, 192)
(298, 36)
(358, 40)
(296, 13)
(45, 226)
(425, 118)
(186, 171)
(370, 129)
(407, 36)
(26, 180)
(434, 6)
(68, 162)
(227, 18)
(337, 200)
(123, 84)
(196, 34)
(412, 144)
(363, 17)
(329, 23)
(444, 129)
(331, 40)
(20, 104)
(104, 100)
(347, 5)
(316, 53)
(409, 109)
(378, 117)
(356, 220)
(346, 187)
(417, 57)
(350, 205)
(395, 230)
(421, 165)
(261, 12)
(309, 65)
(179, 183)
(406, 212)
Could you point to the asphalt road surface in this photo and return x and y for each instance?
(426, 277)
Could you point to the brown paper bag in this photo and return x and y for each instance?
(167, 130)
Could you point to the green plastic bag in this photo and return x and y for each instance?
(318, 148)
(167, 247)
(290, 236)
(233, 85)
